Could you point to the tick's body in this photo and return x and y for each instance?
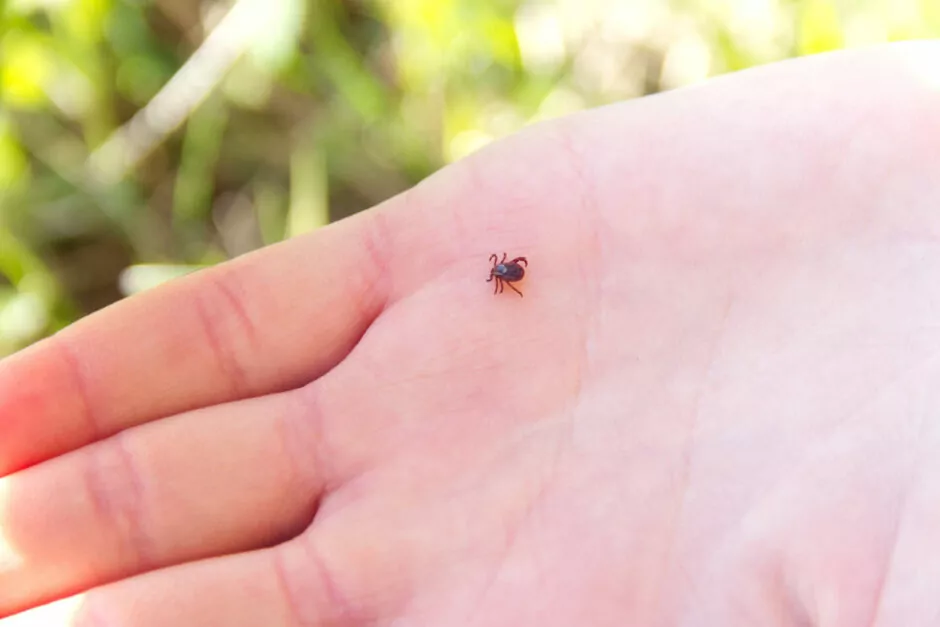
(507, 272)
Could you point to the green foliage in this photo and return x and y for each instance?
(142, 138)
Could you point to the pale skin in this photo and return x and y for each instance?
(716, 404)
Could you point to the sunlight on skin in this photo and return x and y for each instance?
(62, 613)
(10, 558)
(925, 65)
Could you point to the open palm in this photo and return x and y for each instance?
(715, 404)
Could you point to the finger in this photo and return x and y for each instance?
(282, 316)
(263, 323)
(224, 479)
(284, 586)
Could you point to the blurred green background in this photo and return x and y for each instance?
(142, 138)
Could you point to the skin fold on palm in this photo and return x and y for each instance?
(714, 405)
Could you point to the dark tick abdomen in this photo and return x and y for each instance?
(513, 272)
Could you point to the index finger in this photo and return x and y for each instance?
(282, 316)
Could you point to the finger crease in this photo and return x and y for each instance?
(237, 305)
(224, 356)
(375, 243)
(311, 592)
(117, 492)
(93, 421)
(298, 612)
(301, 431)
(340, 608)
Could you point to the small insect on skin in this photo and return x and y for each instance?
(507, 273)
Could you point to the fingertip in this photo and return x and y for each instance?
(35, 384)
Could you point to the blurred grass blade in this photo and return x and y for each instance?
(309, 204)
(270, 202)
(188, 88)
(192, 193)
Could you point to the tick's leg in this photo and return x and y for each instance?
(493, 258)
(491, 278)
(522, 259)
(514, 288)
(496, 286)
(504, 258)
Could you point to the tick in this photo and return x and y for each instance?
(507, 272)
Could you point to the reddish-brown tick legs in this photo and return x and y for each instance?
(507, 273)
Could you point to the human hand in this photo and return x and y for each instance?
(713, 406)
